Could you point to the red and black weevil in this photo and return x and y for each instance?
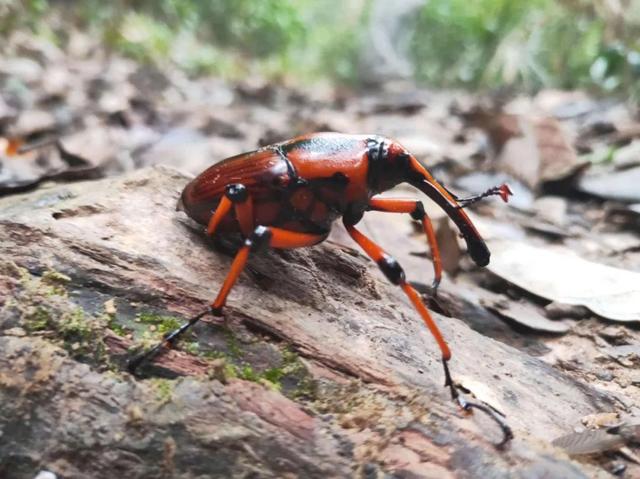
(289, 194)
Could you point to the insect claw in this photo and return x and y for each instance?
(434, 286)
(448, 382)
(468, 406)
(507, 433)
(462, 402)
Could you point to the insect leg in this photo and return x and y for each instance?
(395, 274)
(417, 212)
(262, 237)
(238, 196)
(221, 211)
(171, 338)
(243, 205)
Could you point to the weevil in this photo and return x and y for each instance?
(289, 194)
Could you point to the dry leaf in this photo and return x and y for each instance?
(628, 354)
(627, 156)
(558, 159)
(589, 442)
(94, 145)
(627, 132)
(552, 209)
(527, 315)
(450, 251)
(34, 121)
(629, 455)
(620, 185)
(558, 274)
(601, 440)
(534, 150)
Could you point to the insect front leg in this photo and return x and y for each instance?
(395, 274)
(418, 213)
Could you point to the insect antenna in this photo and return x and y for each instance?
(503, 191)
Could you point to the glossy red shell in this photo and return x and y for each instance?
(303, 184)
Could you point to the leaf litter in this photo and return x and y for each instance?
(77, 115)
(557, 274)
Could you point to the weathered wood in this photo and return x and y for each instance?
(375, 400)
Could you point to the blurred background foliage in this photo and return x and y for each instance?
(484, 44)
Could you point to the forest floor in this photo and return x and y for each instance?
(320, 368)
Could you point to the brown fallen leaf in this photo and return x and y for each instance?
(589, 442)
(558, 159)
(42, 161)
(527, 315)
(450, 251)
(599, 440)
(628, 355)
(552, 209)
(535, 150)
(93, 145)
(30, 122)
(558, 274)
(628, 132)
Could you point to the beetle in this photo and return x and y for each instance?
(289, 194)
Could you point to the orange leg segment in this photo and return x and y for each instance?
(417, 212)
(244, 215)
(394, 272)
(239, 262)
(221, 211)
(260, 238)
(236, 195)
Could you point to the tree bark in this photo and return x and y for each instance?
(321, 370)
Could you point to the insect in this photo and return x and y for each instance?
(288, 195)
